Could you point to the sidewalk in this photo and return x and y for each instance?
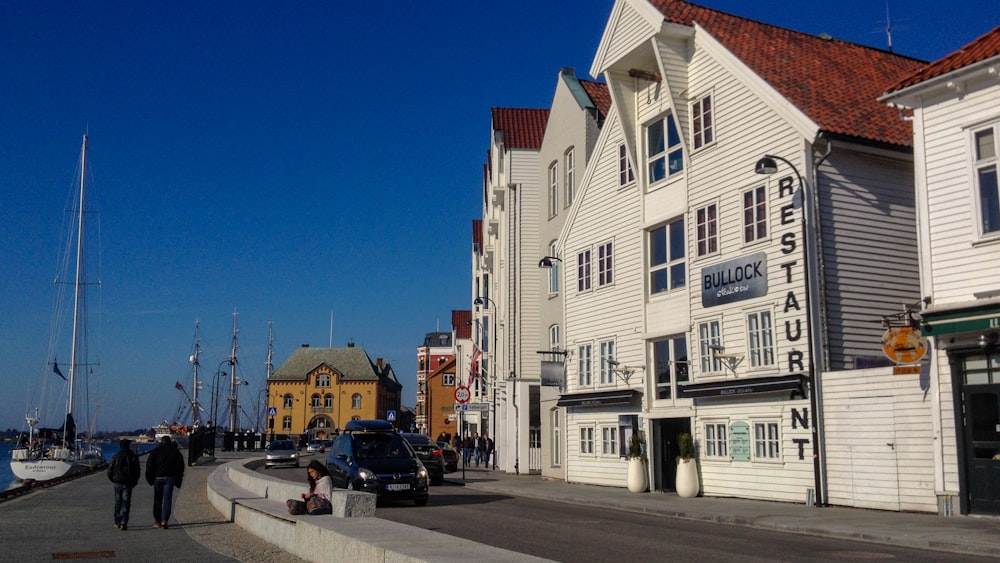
(976, 535)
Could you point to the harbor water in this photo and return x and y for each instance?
(8, 481)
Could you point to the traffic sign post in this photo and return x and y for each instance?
(462, 394)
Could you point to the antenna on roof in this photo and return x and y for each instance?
(331, 328)
(888, 25)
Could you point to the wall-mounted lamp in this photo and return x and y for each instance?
(546, 261)
(987, 340)
(731, 361)
(624, 372)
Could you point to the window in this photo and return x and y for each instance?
(288, 400)
(666, 258)
(665, 157)
(553, 190)
(328, 401)
(754, 214)
(356, 401)
(556, 449)
(986, 179)
(709, 335)
(625, 174)
(586, 440)
(448, 380)
(315, 400)
(554, 338)
(604, 265)
(570, 178)
(607, 356)
(716, 440)
(670, 362)
(708, 229)
(609, 440)
(553, 270)
(286, 423)
(760, 335)
(766, 441)
(586, 377)
(323, 380)
(701, 122)
(583, 271)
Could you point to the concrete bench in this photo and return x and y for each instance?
(256, 503)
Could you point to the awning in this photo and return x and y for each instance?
(599, 398)
(969, 319)
(731, 387)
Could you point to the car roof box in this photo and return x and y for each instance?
(370, 426)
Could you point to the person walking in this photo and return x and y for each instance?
(487, 449)
(480, 448)
(164, 471)
(468, 445)
(124, 471)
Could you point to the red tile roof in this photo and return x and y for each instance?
(835, 83)
(522, 128)
(598, 92)
(985, 47)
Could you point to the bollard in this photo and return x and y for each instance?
(810, 497)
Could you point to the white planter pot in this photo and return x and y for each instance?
(637, 475)
(687, 484)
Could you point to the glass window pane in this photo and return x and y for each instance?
(985, 147)
(678, 277)
(673, 138)
(676, 240)
(657, 169)
(654, 138)
(676, 161)
(658, 281)
(984, 417)
(658, 246)
(989, 200)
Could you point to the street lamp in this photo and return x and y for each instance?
(767, 166)
(493, 372)
(215, 393)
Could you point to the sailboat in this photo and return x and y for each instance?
(35, 457)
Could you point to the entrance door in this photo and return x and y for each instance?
(982, 451)
(665, 433)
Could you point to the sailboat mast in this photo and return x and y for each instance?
(195, 408)
(77, 288)
(233, 408)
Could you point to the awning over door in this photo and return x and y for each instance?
(967, 319)
(732, 387)
(599, 398)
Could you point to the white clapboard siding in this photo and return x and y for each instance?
(863, 411)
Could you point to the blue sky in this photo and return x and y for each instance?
(285, 161)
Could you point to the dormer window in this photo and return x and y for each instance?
(665, 155)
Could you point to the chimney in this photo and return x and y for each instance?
(380, 363)
(305, 345)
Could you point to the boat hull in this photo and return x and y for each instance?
(41, 469)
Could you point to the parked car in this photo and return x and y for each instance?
(281, 453)
(430, 455)
(450, 456)
(315, 446)
(371, 456)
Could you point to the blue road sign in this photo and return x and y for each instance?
(271, 411)
(390, 416)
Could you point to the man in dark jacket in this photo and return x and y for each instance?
(124, 472)
(164, 471)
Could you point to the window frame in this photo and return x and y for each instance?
(672, 149)
(708, 362)
(716, 440)
(699, 115)
(605, 264)
(671, 264)
(990, 165)
(584, 269)
(286, 422)
(770, 445)
(556, 446)
(585, 365)
(448, 380)
(586, 442)
(569, 176)
(609, 441)
(555, 337)
(626, 174)
(754, 213)
(553, 189)
(553, 270)
(677, 368)
(707, 230)
(761, 356)
(606, 353)
(356, 401)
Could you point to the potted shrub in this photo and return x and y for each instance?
(637, 482)
(687, 483)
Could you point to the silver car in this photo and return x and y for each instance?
(281, 453)
(315, 447)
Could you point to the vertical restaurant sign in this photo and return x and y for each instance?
(734, 280)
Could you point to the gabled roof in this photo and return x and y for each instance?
(460, 320)
(598, 92)
(522, 128)
(352, 363)
(835, 83)
(984, 47)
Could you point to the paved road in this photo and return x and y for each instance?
(581, 534)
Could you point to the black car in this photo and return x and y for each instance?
(430, 454)
(450, 455)
(371, 456)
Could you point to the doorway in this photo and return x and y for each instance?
(982, 447)
(665, 432)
